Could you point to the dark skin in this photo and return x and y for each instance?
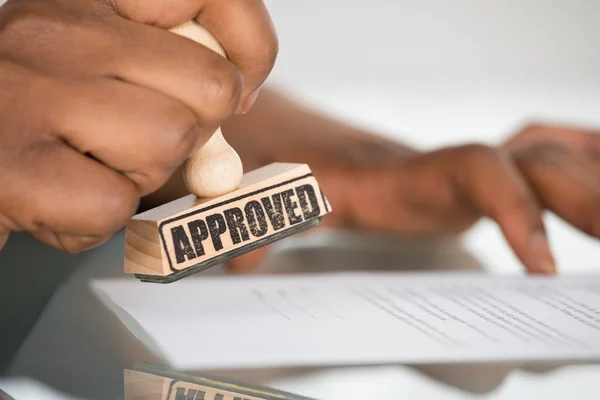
(378, 185)
(100, 106)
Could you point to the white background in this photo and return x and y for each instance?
(435, 72)
(431, 73)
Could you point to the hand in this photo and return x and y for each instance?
(100, 104)
(446, 191)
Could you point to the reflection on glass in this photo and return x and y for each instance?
(148, 381)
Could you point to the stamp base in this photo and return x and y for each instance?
(230, 255)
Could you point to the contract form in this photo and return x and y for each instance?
(360, 318)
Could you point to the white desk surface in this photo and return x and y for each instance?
(431, 73)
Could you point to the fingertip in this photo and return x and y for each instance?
(542, 259)
(548, 268)
(247, 104)
(158, 13)
(239, 266)
(236, 269)
(246, 31)
(69, 243)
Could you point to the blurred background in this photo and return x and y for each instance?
(435, 73)
(429, 73)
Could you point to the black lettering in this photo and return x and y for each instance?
(290, 207)
(181, 244)
(190, 394)
(255, 216)
(274, 211)
(199, 233)
(216, 227)
(235, 223)
(314, 209)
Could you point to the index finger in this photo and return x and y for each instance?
(493, 184)
(579, 138)
(243, 27)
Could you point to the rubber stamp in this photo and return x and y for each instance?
(227, 213)
(156, 382)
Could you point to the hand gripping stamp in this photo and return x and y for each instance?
(227, 213)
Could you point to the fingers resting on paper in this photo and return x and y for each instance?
(448, 190)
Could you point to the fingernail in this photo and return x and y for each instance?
(250, 100)
(543, 255)
(548, 268)
(81, 242)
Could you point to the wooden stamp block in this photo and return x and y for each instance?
(191, 234)
(227, 213)
(156, 382)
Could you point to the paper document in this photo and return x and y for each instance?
(360, 318)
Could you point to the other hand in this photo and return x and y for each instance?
(100, 104)
(542, 167)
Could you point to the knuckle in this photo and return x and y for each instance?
(223, 90)
(477, 152)
(77, 244)
(583, 212)
(175, 136)
(591, 226)
(532, 129)
(176, 133)
(544, 153)
(522, 202)
(267, 51)
(478, 149)
(519, 206)
(30, 20)
(151, 179)
(21, 20)
(41, 23)
(117, 202)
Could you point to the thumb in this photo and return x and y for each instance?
(160, 13)
(243, 27)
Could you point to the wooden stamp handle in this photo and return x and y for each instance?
(215, 169)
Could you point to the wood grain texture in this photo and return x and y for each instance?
(148, 381)
(142, 385)
(191, 230)
(215, 168)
